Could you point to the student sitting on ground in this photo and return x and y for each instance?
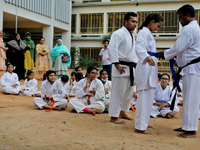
(70, 89)
(107, 87)
(30, 85)
(163, 99)
(51, 94)
(64, 80)
(9, 81)
(89, 92)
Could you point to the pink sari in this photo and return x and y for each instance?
(2, 56)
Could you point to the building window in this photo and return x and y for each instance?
(91, 23)
(197, 16)
(73, 24)
(92, 52)
(115, 21)
(165, 64)
(170, 20)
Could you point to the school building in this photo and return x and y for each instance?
(93, 20)
(48, 18)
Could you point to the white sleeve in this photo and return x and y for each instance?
(67, 89)
(43, 91)
(141, 47)
(181, 45)
(100, 92)
(113, 46)
(33, 86)
(3, 80)
(17, 80)
(79, 92)
(100, 54)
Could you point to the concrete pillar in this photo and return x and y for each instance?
(105, 23)
(66, 38)
(48, 34)
(1, 14)
(78, 25)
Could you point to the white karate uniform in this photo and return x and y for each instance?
(133, 100)
(105, 57)
(70, 89)
(7, 80)
(121, 48)
(146, 78)
(56, 90)
(164, 96)
(106, 97)
(30, 87)
(187, 48)
(80, 102)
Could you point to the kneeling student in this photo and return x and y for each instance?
(10, 81)
(163, 99)
(89, 92)
(51, 94)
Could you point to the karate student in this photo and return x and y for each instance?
(89, 92)
(64, 80)
(146, 77)
(51, 94)
(163, 99)
(9, 81)
(186, 49)
(105, 58)
(123, 58)
(70, 89)
(107, 87)
(30, 85)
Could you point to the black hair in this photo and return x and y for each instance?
(79, 76)
(78, 68)
(187, 9)
(104, 41)
(89, 69)
(8, 64)
(103, 71)
(166, 75)
(28, 34)
(44, 76)
(73, 73)
(151, 17)
(29, 72)
(159, 76)
(42, 38)
(65, 78)
(50, 72)
(128, 14)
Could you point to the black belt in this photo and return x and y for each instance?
(131, 65)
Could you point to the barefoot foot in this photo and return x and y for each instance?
(73, 111)
(92, 111)
(142, 132)
(117, 120)
(169, 116)
(57, 108)
(13, 93)
(179, 130)
(188, 134)
(124, 116)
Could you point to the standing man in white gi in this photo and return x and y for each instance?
(123, 58)
(187, 49)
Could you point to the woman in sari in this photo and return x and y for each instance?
(41, 58)
(56, 56)
(16, 52)
(3, 50)
(29, 55)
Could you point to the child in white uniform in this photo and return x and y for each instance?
(10, 81)
(51, 94)
(89, 92)
(163, 99)
(30, 85)
(146, 77)
(64, 80)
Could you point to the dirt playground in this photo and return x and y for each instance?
(25, 127)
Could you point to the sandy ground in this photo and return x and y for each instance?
(25, 127)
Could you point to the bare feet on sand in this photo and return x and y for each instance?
(142, 132)
(92, 111)
(188, 134)
(150, 127)
(169, 116)
(13, 93)
(57, 108)
(117, 120)
(179, 130)
(73, 111)
(124, 116)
